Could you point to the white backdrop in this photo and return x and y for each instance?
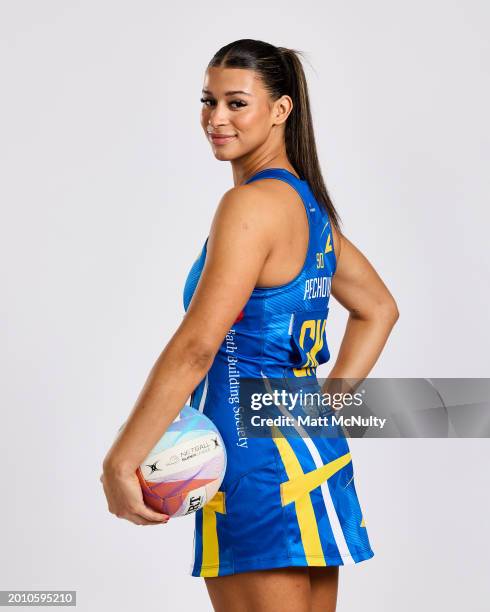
(108, 189)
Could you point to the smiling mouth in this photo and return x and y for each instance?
(221, 139)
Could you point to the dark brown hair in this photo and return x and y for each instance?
(282, 73)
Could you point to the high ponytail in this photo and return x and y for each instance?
(282, 73)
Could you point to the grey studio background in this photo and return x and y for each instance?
(108, 189)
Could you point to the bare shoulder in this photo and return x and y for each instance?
(240, 242)
(253, 208)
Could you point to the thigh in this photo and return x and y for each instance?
(286, 589)
(324, 583)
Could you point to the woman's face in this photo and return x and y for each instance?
(237, 113)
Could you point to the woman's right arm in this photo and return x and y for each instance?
(239, 242)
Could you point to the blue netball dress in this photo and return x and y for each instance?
(285, 500)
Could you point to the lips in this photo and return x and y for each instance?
(221, 138)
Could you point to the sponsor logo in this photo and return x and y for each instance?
(328, 244)
(195, 502)
(195, 451)
(153, 467)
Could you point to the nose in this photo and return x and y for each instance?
(218, 116)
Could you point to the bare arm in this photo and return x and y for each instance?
(239, 243)
(372, 311)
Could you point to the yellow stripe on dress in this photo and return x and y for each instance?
(304, 508)
(210, 544)
(304, 483)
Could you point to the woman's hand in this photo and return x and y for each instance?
(125, 499)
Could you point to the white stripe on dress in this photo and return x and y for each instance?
(337, 531)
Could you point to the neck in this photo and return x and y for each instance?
(243, 170)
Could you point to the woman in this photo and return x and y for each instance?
(256, 301)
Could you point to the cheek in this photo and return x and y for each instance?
(251, 123)
(204, 118)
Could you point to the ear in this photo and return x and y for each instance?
(281, 110)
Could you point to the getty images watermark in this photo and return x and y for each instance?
(302, 402)
(372, 407)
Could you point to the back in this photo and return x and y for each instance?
(281, 331)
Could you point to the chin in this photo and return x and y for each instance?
(224, 156)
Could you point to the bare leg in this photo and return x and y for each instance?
(277, 590)
(324, 587)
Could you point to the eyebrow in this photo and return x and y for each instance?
(229, 93)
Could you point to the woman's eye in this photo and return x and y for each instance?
(238, 103)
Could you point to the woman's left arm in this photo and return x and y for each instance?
(373, 312)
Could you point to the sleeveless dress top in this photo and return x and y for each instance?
(285, 500)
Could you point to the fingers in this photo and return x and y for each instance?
(142, 515)
(126, 502)
(150, 515)
(139, 520)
